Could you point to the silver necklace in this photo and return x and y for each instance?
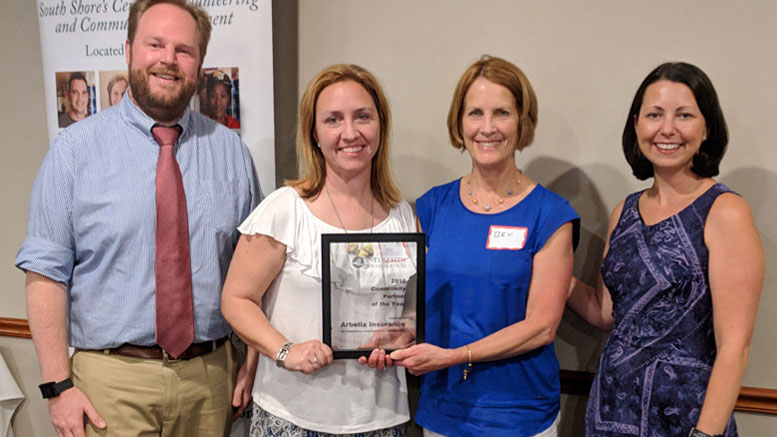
(337, 214)
(499, 200)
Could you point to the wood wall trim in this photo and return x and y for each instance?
(573, 382)
(751, 399)
(757, 400)
(14, 328)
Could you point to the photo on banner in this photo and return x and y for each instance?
(76, 96)
(113, 85)
(87, 40)
(219, 95)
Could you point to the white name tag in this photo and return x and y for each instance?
(506, 237)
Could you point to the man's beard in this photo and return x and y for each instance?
(164, 108)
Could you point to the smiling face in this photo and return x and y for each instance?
(218, 99)
(117, 91)
(670, 127)
(347, 128)
(164, 62)
(489, 123)
(78, 95)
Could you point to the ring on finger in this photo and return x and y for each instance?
(314, 360)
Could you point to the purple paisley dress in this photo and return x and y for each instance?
(654, 369)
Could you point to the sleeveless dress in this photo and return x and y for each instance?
(655, 366)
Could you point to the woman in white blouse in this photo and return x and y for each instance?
(272, 294)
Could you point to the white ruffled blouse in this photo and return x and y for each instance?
(345, 397)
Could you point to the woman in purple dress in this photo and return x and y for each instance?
(681, 277)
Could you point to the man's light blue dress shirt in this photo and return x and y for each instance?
(92, 221)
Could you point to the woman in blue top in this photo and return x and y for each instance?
(499, 262)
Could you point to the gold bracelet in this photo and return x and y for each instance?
(468, 369)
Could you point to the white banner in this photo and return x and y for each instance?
(83, 40)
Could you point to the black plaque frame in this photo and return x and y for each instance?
(326, 283)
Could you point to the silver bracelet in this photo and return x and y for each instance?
(280, 359)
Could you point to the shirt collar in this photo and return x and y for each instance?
(135, 117)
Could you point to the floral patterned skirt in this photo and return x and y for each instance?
(264, 424)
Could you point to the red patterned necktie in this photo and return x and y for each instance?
(174, 307)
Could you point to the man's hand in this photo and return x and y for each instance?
(46, 309)
(67, 413)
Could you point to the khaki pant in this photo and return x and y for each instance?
(147, 397)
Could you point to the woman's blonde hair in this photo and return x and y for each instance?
(500, 72)
(312, 166)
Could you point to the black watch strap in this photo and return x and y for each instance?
(53, 389)
(696, 433)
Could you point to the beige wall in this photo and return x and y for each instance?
(24, 140)
(32, 416)
(23, 144)
(585, 60)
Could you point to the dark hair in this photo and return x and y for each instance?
(76, 76)
(218, 77)
(706, 161)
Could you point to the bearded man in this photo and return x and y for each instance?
(132, 225)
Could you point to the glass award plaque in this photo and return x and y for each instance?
(373, 291)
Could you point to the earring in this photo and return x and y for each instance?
(318, 145)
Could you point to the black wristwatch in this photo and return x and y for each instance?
(53, 389)
(696, 433)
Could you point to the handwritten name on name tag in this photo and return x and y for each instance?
(506, 237)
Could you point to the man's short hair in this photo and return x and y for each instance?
(198, 14)
(76, 76)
